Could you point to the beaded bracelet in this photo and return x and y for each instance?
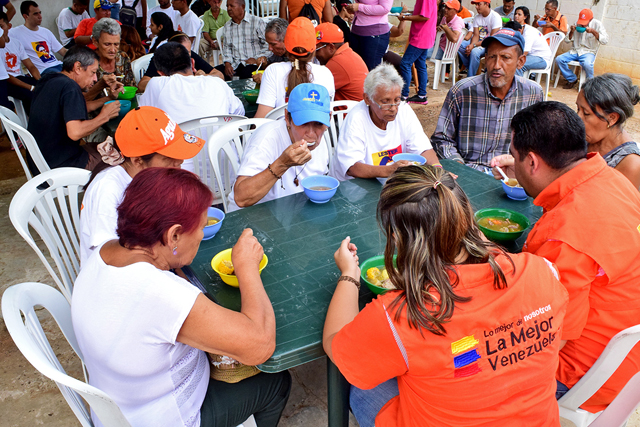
(437, 165)
(350, 279)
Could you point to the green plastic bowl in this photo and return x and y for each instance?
(376, 261)
(129, 92)
(505, 19)
(251, 95)
(499, 236)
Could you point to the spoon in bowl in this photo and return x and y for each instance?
(504, 175)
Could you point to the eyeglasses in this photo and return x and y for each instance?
(387, 107)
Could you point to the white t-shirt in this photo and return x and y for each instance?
(98, 215)
(487, 24)
(126, 321)
(267, 144)
(12, 56)
(535, 44)
(170, 12)
(68, 20)
(39, 45)
(362, 141)
(273, 88)
(189, 23)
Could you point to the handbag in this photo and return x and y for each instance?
(229, 370)
(128, 15)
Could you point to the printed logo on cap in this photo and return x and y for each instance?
(314, 97)
(583, 16)
(507, 32)
(168, 131)
(190, 138)
(318, 35)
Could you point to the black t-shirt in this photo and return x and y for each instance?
(200, 64)
(57, 100)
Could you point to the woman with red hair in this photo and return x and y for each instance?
(143, 330)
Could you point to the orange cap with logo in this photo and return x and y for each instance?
(329, 33)
(300, 33)
(585, 17)
(147, 130)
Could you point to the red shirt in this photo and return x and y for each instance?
(495, 365)
(591, 230)
(349, 72)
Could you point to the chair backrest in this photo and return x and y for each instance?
(54, 214)
(276, 113)
(220, 37)
(204, 128)
(450, 49)
(20, 111)
(140, 65)
(8, 114)
(195, 46)
(339, 110)
(613, 355)
(468, 23)
(230, 140)
(20, 300)
(12, 128)
(554, 39)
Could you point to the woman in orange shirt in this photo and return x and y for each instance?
(471, 333)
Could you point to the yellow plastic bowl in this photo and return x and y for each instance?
(257, 72)
(231, 279)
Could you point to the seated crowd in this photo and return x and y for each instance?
(441, 367)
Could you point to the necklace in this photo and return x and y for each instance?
(295, 180)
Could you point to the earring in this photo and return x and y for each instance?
(175, 250)
(608, 125)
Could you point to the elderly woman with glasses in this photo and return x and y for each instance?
(378, 128)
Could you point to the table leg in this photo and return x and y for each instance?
(338, 391)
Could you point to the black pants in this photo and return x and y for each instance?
(4, 101)
(24, 95)
(243, 71)
(263, 395)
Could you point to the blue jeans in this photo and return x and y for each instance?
(115, 11)
(472, 62)
(586, 61)
(561, 389)
(54, 69)
(365, 404)
(533, 63)
(370, 48)
(414, 55)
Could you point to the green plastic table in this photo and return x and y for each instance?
(300, 237)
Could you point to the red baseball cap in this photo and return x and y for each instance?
(453, 4)
(330, 33)
(300, 33)
(585, 17)
(147, 130)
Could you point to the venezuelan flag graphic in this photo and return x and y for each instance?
(465, 356)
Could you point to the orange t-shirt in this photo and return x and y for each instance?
(464, 13)
(349, 72)
(591, 230)
(295, 6)
(495, 365)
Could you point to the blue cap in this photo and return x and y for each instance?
(309, 102)
(507, 37)
(102, 4)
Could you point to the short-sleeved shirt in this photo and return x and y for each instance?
(170, 12)
(495, 364)
(486, 24)
(12, 56)
(456, 24)
(211, 24)
(535, 44)
(349, 72)
(273, 88)
(500, 11)
(295, 6)
(615, 156)
(263, 148)
(199, 63)
(39, 45)
(423, 34)
(464, 13)
(68, 20)
(244, 40)
(57, 100)
(189, 23)
(559, 21)
(123, 68)
(362, 141)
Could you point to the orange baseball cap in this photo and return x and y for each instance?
(329, 33)
(300, 33)
(481, 1)
(147, 130)
(585, 17)
(453, 4)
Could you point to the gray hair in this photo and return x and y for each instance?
(105, 25)
(82, 54)
(384, 75)
(278, 26)
(613, 93)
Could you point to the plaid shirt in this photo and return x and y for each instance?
(474, 126)
(244, 40)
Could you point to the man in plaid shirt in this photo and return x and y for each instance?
(244, 46)
(474, 123)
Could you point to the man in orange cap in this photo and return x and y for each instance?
(590, 35)
(347, 67)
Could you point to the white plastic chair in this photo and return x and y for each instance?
(220, 37)
(337, 118)
(20, 300)
(140, 65)
(205, 128)
(24, 137)
(623, 405)
(276, 113)
(554, 39)
(54, 214)
(230, 140)
(195, 46)
(20, 111)
(450, 56)
(468, 23)
(575, 65)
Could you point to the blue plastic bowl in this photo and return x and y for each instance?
(211, 230)
(396, 9)
(320, 196)
(515, 193)
(541, 23)
(410, 157)
(125, 106)
(581, 29)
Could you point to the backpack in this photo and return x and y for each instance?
(309, 12)
(128, 15)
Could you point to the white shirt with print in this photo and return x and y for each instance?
(40, 46)
(486, 24)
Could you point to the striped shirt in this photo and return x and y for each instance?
(474, 126)
(244, 40)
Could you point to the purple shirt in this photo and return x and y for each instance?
(456, 24)
(423, 34)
